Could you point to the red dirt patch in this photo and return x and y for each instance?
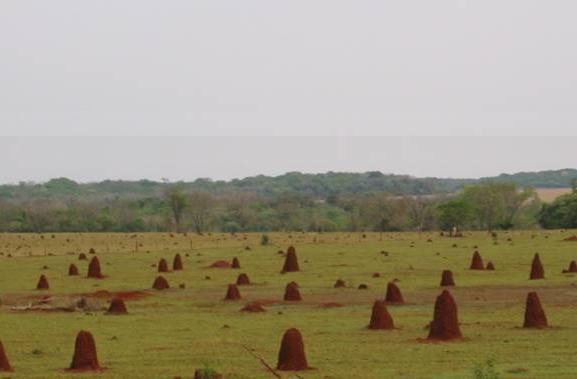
(220, 264)
(124, 295)
(331, 305)
(571, 239)
(291, 356)
(254, 306)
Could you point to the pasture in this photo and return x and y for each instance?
(173, 332)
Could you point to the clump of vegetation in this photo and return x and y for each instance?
(485, 370)
(264, 240)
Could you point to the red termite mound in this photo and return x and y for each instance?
(160, 283)
(572, 267)
(537, 271)
(242, 280)
(72, 270)
(220, 264)
(232, 293)
(292, 292)
(177, 263)
(117, 307)
(477, 262)
(291, 356)
(162, 265)
(445, 325)
(490, 266)
(253, 307)
(380, 317)
(4, 363)
(91, 251)
(85, 357)
(42, 283)
(534, 313)
(340, 284)
(393, 295)
(291, 263)
(81, 257)
(235, 263)
(447, 279)
(94, 269)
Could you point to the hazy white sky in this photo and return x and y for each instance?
(295, 68)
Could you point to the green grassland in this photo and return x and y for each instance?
(171, 333)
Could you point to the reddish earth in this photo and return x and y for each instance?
(477, 262)
(220, 264)
(571, 239)
(380, 317)
(363, 286)
(235, 263)
(94, 269)
(254, 306)
(42, 283)
(331, 305)
(72, 270)
(85, 357)
(242, 280)
(160, 283)
(393, 295)
(447, 279)
(4, 363)
(124, 295)
(291, 263)
(177, 263)
(376, 275)
(162, 265)
(445, 324)
(534, 313)
(117, 307)
(292, 292)
(537, 271)
(232, 293)
(291, 356)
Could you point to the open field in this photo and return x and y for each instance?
(171, 333)
(548, 195)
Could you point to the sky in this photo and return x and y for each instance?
(223, 89)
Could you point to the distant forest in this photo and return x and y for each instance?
(293, 201)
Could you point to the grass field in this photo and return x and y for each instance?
(171, 333)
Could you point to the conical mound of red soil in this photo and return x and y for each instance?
(220, 264)
(42, 283)
(380, 317)
(232, 293)
(537, 271)
(393, 295)
(4, 363)
(160, 283)
(339, 284)
(235, 263)
(242, 280)
(292, 292)
(94, 268)
(447, 279)
(477, 262)
(572, 267)
(162, 265)
(445, 325)
(82, 257)
(91, 251)
(291, 356)
(117, 307)
(534, 313)
(490, 266)
(291, 263)
(177, 263)
(72, 270)
(85, 357)
(253, 307)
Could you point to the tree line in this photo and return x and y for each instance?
(484, 206)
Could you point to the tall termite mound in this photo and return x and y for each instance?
(291, 356)
(447, 279)
(477, 262)
(292, 292)
(232, 293)
(235, 263)
(393, 295)
(94, 269)
(160, 283)
(291, 263)
(72, 270)
(4, 362)
(537, 271)
(380, 317)
(177, 263)
(42, 283)
(534, 313)
(242, 280)
(85, 357)
(162, 265)
(445, 324)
